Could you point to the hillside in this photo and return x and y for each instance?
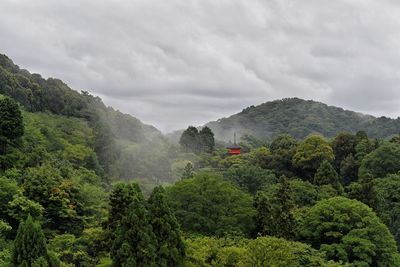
(121, 142)
(300, 118)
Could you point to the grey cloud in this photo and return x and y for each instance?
(180, 62)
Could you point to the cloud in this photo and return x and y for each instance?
(180, 62)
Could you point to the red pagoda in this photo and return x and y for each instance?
(234, 149)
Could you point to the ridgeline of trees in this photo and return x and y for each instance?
(288, 202)
(300, 118)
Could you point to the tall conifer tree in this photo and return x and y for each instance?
(170, 247)
(135, 243)
(30, 243)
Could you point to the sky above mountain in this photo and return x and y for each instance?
(179, 62)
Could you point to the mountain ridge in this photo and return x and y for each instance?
(300, 118)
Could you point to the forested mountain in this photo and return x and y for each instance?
(67, 197)
(121, 142)
(300, 118)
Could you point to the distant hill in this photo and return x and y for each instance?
(300, 118)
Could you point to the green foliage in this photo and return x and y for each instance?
(189, 139)
(382, 161)
(388, 191)
(349, 169)
(194, 141)
(207, 204)
(343, 145)
(263, 251)
(30, 244)
(11, 125)
(206, 139)
(327, 176)
(365, 191)
(121, 197)
(300, 118)
(170, 249)
(71, 250)
(272, 251)
(11, 128)
(135, 243)
(250, 178)
(349, 231)
(212, 251)
(275, 215)
(188, 171)
(283, 149)
(311, 153)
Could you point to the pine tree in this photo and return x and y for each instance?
(29, 244)
(135, 243)
(121, 197)
(188, 171)
(170, 248)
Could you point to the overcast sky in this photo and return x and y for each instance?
(179, 62)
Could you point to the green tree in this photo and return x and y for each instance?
(349, 169)
(30, 243)
(343, 145)
(188, 171)
(135, 243)
(326, 175)
(275, 215)
(206, 139)
(388, 191)
(283, 149)
(250, 178)
(170, 249)
(382, 161)
(121, 197)
(209, 205)
(272, 251)
(311, 153)
(349, 231)
(365, 191)
(190, 139)
(11, 125)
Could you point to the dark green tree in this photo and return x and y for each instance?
(382, 161)
(206, 139)
(11, 125)
(135, 243)
(121, 197)
(343, 145)
(283, 149)
(275, 215)
(368, 193)
(190, 139)
(388, 190)
(170, 249)
(326, 175)
(11, 129)
(349, 231)
(30, 244)
(349, 169)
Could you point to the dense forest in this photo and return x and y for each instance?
(300, 118)
(82, 184)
